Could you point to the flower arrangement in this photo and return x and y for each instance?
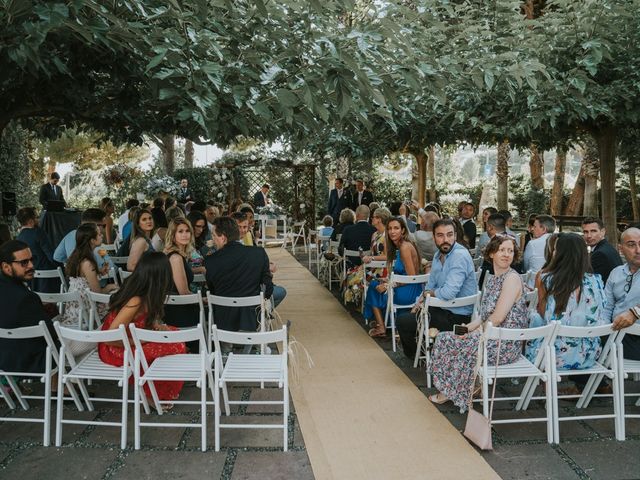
(161, 184)
(271, 209)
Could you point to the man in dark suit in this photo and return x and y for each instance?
(361, 196)
(20, 307)
(236, 271)
(51, 190)
(261, 197)
(358, 235)
(604, 257)
(184, 193)
(339, 199)
(468, 225)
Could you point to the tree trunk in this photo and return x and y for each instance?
(591, 167)
(168, 150)
(431, 174)
(558, 181)
(633, 190)
(502, 172)
(536, 166)
(574, 206)
(421, 163)
(606, 137)
(188, 154)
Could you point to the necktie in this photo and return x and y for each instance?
(360, 198)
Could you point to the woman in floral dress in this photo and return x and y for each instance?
(569, 293)
(454, 357)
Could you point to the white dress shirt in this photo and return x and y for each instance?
(534, 253)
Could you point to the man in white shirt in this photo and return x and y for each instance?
(124, 218)
(543, 227)
(361, 196)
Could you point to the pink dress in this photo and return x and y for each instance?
(114, 355)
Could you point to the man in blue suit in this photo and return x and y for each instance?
(339, 199)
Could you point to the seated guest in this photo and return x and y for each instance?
(41, 250)
(249, 239)
(496, 225)
(124, 218)
(461, 238)
(211, 212)
(424, 237)
(178, 248)
(157, 212)
(402, 210)
(157, 240)
(604, 257)
(236, 271)
(203, 242)
(373, 206)
(452, 276)
(404, 259)
(468, 225)
(107, 206)
(82, 271)
(168, 203)
(243, 225)
(357, 236)
(380, 218)
(126, 232)
(503, 304)
(20, 308)
(623, 292)
(327, 227)
(569, 293)
(543, 226)
(141, 301)
(140, 239)
(484, 238)
(508, 219)
(347, 218)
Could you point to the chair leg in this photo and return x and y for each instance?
(125, 408)
(46, 439)
(419, 346)
(60, 399)
(4, 393)
(136, 412)
(485, 395)
(285, 415)
(16, 391)
(203, 412)
(216, 416)
(549, 402)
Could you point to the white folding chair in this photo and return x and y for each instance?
(236, 302)
(626, 367)
(392, 307)
(90, 367)
(61, 299)
(94, 299)
(346, 255)
(332, 265)
(112, 274)
(119, 261)
(243, 368)
(599, 369)
(24, 333)
(312, 247)
(191, 299)
(188, 367)
(296, 233)
(321, 262)
(123, 274)
(109, 247)
(422, 349)
(53, 273)
(538, 370)
(199, 278)
(372, 265)
(477, 262)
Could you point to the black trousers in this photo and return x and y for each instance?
(440, 318)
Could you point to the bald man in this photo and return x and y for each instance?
(622, 292)
(424, 237)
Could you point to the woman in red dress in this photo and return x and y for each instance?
(141, 301)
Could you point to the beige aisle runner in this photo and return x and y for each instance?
(360, 416)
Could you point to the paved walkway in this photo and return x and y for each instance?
(360, 416)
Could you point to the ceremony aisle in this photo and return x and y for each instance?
(360, 416)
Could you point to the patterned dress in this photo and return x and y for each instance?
(453, 360)
(353, 285)
(74, 309)
(573, 353)
(114, 355)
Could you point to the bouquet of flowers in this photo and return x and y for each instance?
(271, 209)
(164, 184)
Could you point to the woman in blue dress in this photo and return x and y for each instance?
(403, 259)
(569, 293)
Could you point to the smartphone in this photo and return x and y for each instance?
(460, 329)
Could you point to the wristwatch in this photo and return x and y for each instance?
(635, 311)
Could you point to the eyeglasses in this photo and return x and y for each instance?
(23, 263)
(627, 285)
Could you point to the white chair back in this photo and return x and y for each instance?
(94, 300)
(53, 273)
(253, 301)
(191, 299)
(123, 274)
(63, 298)
(119, 260)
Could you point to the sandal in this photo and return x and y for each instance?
(438, 398)
(376, 333)
(166, 407)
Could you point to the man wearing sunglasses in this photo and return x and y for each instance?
(20, 307)
(623, 292)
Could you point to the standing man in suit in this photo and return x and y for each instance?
(361, 196)
(20, 308)
(236, 271)
(261, 197)
(358, 235)
(51, 190)
(185, 194)
(604, 257)
(339, 199)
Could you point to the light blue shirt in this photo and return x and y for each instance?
(617, 300)
(68, 244)
(456, 278)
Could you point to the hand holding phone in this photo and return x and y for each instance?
(460, 330)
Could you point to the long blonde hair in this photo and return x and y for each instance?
(170, 245)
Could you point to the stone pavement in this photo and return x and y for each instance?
(93, 452)
(587, 449)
